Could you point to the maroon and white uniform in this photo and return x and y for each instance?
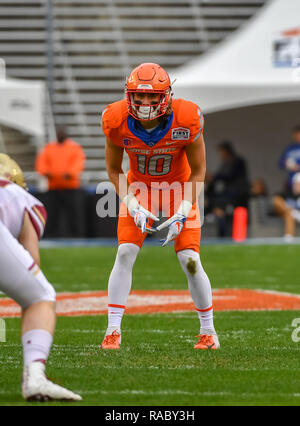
(14, 201)
(20, 277)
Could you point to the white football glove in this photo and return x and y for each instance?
(176, 222)
(139, 214)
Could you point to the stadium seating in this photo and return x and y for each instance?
(88, 48)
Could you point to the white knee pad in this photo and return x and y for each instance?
(119, 283)
(190, 262)
(31, 287)
(198, 281)
(127, 254)
(20, 278)
(42, 291)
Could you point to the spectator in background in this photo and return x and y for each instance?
(259, 188)
(62, 162)
(290, 159)
(228, 188)
(287, 205)
(263, 207)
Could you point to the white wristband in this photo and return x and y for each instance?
(185, 208)
(130, 201)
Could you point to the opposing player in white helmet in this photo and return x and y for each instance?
(22, 222)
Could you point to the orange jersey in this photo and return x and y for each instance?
(158, 156)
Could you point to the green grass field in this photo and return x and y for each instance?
(257, 364)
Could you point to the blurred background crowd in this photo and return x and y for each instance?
(64, 60)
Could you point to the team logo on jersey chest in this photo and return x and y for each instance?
(180, 134)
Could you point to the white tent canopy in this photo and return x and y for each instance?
(257, 64)
(21, 105)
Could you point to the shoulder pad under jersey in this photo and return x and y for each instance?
(113, 116)
(189, 114)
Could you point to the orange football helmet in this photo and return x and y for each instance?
(148, 78)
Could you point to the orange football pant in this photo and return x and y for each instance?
(168, 202)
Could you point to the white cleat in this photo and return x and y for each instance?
(36, 386)
(288, 238)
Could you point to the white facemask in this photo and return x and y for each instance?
(147, 112)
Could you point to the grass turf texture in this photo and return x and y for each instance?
(258, 362)
(157, 268)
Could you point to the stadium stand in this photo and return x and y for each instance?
(85, 49)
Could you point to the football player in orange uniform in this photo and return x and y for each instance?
(163, 138)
